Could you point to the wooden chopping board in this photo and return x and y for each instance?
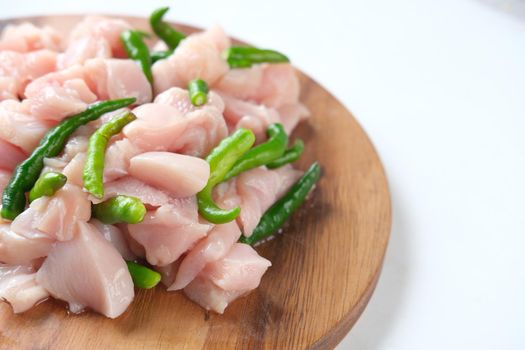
(325, 265)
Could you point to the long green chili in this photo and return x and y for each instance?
(198, 92)
(245, 56)
(142, 276)
(164, 31)
(26, 173)
(95, 155)
(263, 153)
(221, 159)
(278, 213)
(290, 155)
(137, 50)
(47, 185)
(159, 55)
(120, 209)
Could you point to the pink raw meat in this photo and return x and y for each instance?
(212, 248)
(197, 56)
(56, 216)
(169, 231)
(10, 155)
(82, 49)
(88, 271)
(180, 175)
(18, 127)
(105, 28)
(27, 37)
(55, 96)
(117, 78)
(224, 280)
(18, 69)
(18, 286)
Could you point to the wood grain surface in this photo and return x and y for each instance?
(325, 264)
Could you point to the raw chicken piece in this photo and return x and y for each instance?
(88, 271)
(18, 127)
(5, 176)
(279, 86)
(55, 216)
(10, 155)
(157, 127)
(82, 49)
(179, 98)
(212, 248)
(292, 114)
(161, 127)
(76, 144)
(130, 186)
(168, 272)
(239, 272)
(118, 155)
(255, 191)
(241, 269)
(169, 231)
(18, 249)
(205, 129)
(18, 286)
(113, 235)
(197, 56)
(241, 83)
(242, 114)
(99, 27)
(117, 78)
(55, 96)
(75, 169)
(18, 69)
(272, 85)
(9, 88)
(205, 293)
(180, 175)
(27, 37)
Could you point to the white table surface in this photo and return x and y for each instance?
(440, 88)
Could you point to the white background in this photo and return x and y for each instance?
(440, 88)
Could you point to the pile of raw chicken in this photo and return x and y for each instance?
(54, 248)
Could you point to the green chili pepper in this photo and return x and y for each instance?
(164, 31)
(47, 185)
(26, 173)
(290, 155)
(142, 276)
(138, 51)
(120, 209)
(160, 55)
(245, 57)
(198, 90)
(263, 153)
(221, 159)
(278, 213)
(93, 174)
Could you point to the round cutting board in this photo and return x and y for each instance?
(325, 263)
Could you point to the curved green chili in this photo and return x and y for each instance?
(245, 56)
(119, 209)
(26, 173)
(159, 55)
(137, 50)
(221, 159)
(47, 185)
(93, 174)
(290, 155)
(278, 213)
(142, 276)
(263, 153)
(198, 91)
(164, 31)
